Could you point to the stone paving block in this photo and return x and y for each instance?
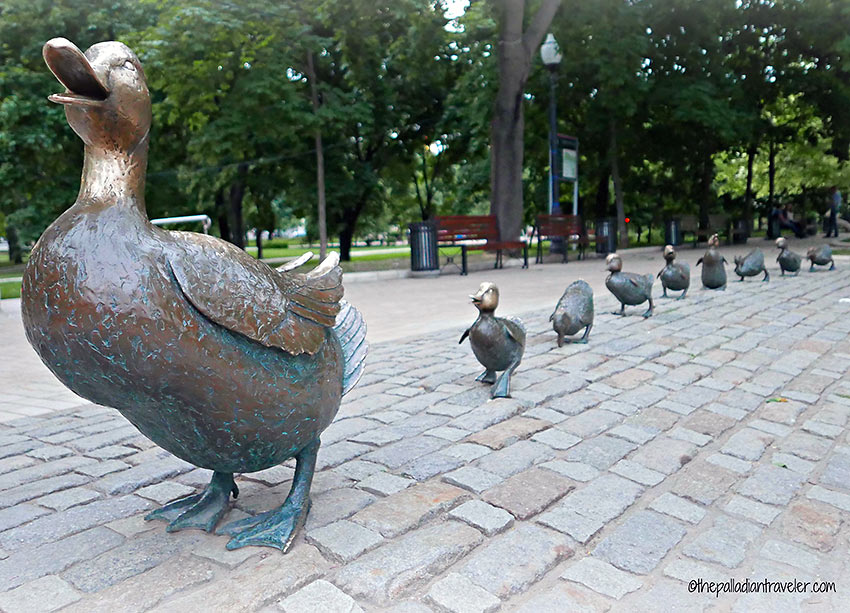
(392, 571)
(515, 458)
(635, 434)
(770, 427)
(399, 453)
(665, 455)
(574, 470)
(726, 411)
(49, 452)
(591, 422)
(29, 474)
(653, 417)
(600, 452)
(813, 524)
(401, 512)
(674, 597)
(52, 558)
(786, 553)
(710, 424)
(556, 439)
(487, 518)
(729, 463)
(468, 452)
(508, 432)
(573, 404)
(253, 585)
(602, 577)
(836, 499)
(565, 596)
(771, 484)
(343, 451)
(133, 557)
(822, 429)
(703, 483)
(457, 594)
(637, 472)
(276, 475)
(672, 505)
(583, 513)
(643, 396)
(429, 465)
(640, 542)
(747, 444)
(750, 509)
(448, 432)
(529, 492)
(319, 597)
(686, 570)
(538, 548)
(472, 478)
(726, 542)
(806, 446)
(165, 492)
(214, 548)
(111, 437)
(343, 429)
(785, 412)
(39, 596)
(333, 505)
(111, 452)
(487, 413)
(689, 436)
(127, 481)
(385, 484)
(344, 540)
(64, 523)
(19, 514)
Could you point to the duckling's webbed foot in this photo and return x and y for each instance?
(583, 339)
(502, 387)
(683, 294)
(832, 264)
(488, 376)
(279, 527)
(201, 511)
(649, 310)
(766, 275)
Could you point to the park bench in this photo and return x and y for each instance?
(568, 227)
(474, 232)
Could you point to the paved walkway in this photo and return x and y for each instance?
(706, 443)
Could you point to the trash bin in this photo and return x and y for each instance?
(606, 235)
(740, 232)
(424, 260)
(672, 232)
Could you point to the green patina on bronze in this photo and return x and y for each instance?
(675, 275)
(222, 360)
(788, 260)
(751, 265)
(713, 265)
(573, 312)
(628, 287)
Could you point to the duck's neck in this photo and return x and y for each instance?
(114, 178)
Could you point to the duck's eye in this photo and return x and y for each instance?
(129, 65)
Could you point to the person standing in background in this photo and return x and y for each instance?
(832, 212)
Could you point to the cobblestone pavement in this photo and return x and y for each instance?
(708, 442)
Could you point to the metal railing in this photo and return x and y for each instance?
(205, 220)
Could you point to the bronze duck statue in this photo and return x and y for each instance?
(751, 264)
(675, 276)
(628, 287)
(713, 265)
(821, 256)
(573, 312)
(497, 342)
(788, 260)
(218, 358)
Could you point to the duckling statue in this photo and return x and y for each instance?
(821, 256)
(674, 276)
(713, 265)
(573, 312)
(497, 342)
(751, 264)
(628, 287)
(788, 260)
(218, 358)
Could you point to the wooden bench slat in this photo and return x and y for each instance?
(457, 230)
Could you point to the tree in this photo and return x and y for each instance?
(517, 48)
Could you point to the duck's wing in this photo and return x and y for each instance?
(287, 310)
(350, 330)
(515, 329)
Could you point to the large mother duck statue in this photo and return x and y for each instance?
(218, 358)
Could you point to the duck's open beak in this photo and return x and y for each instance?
(475, 298)
(75, 72)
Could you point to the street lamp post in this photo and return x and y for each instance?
(550, 53)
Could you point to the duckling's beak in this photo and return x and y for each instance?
(476, 298)
(75, 72)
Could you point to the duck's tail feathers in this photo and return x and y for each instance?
(350, 329)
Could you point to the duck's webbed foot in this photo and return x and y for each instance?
(832, 264)
(766, 276)
(622, 311)
(649, 310)
(488, 376)
(683, 294)
(502, 387)
(279, 527)
(201, 511)
(583, 339)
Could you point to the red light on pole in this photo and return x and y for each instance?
(628, 219)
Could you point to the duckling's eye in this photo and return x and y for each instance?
(129, 65)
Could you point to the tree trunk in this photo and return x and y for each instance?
(346, 236)
(321, 213)
(603, 194)
(516, 50)
(771, 173)
(259, 244)
(622, 230)
(748, 196)
(221, 214)
(15, 252)
(237, 194)
(705, 190)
